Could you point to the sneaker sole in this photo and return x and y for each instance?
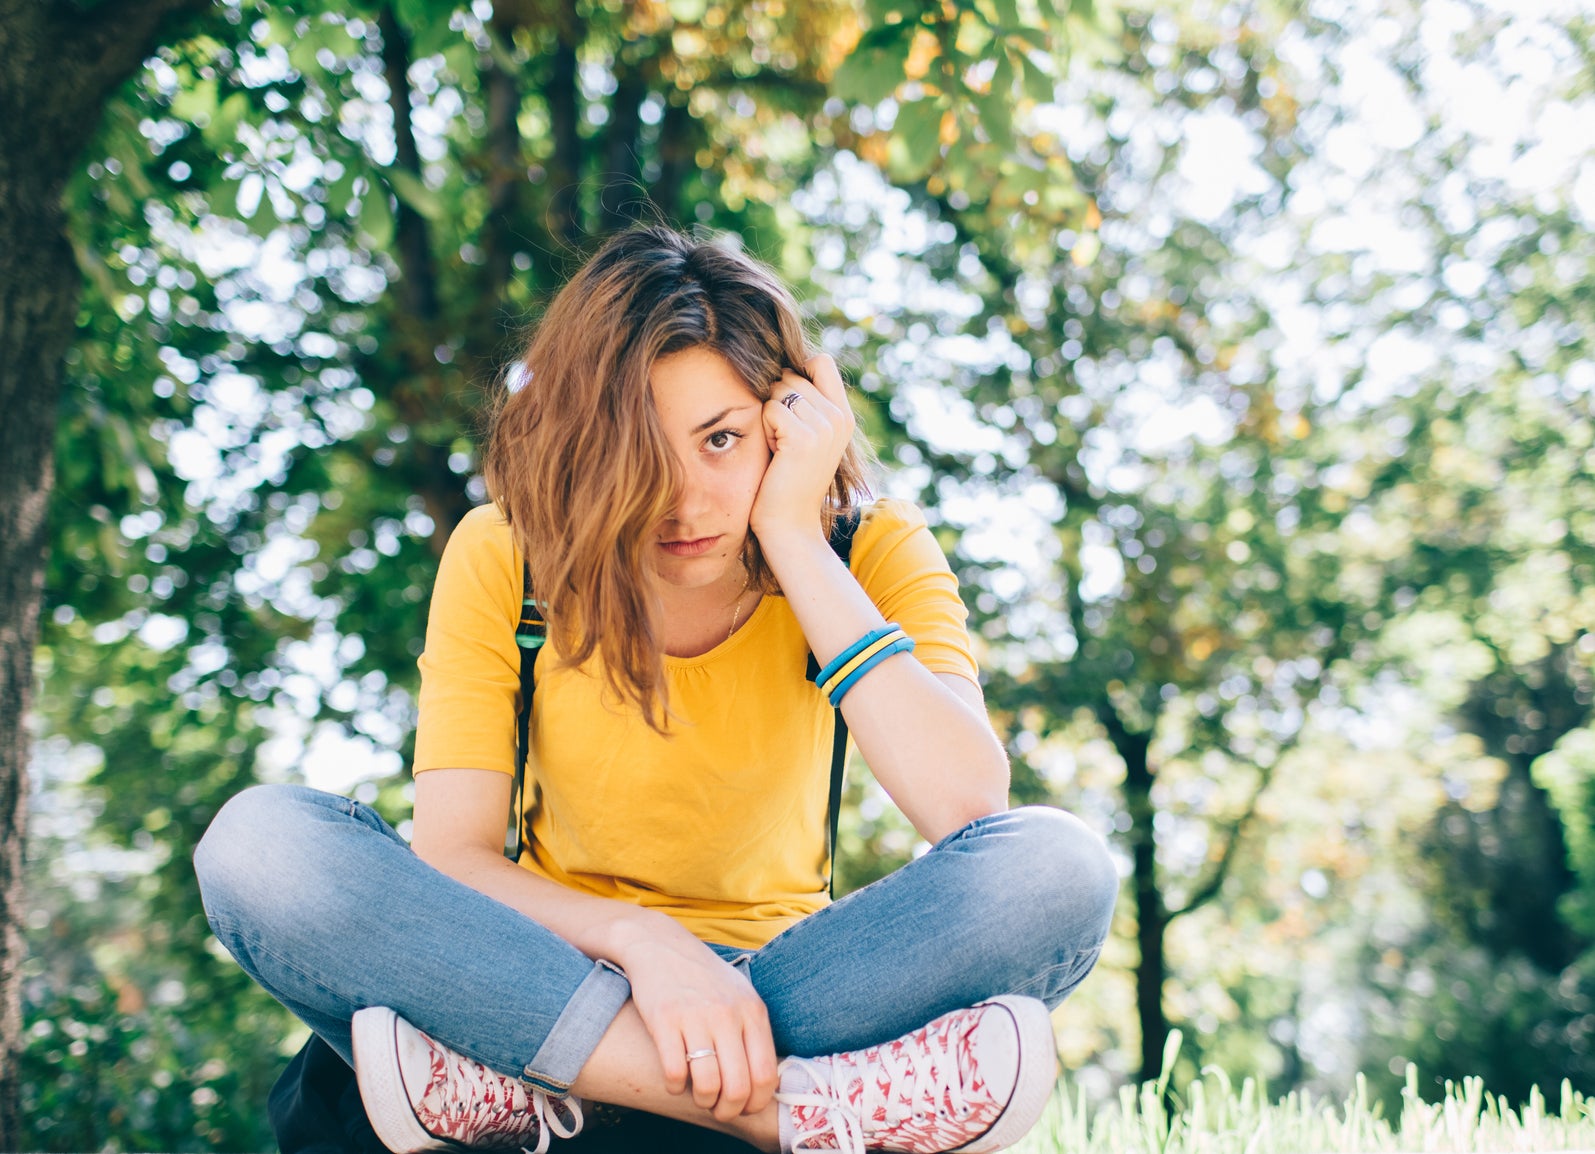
(1037, 1076)
(376, 1070)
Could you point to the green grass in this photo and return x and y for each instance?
(1213, 1116)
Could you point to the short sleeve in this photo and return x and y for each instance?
(900, 565)
(470, 668)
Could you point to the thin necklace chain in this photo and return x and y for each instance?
(737, 615)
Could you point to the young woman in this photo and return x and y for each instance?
(669, 470)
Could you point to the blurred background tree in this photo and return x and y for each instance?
(1248, 391)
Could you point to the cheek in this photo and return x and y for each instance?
(741, 485)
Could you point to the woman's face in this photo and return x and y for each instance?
(715, 427)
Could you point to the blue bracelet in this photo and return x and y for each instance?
(852, 651)
(829, 685)
(906, 645)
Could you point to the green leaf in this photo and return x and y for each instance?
(223, 126)
(996, 117)
(875, 69)
(882, 12)
(340, 192)
(265, 217)
(376, 218)
(1007, 13)
(1002, 78)
(196, 104)
(412, 192)
(1036, 83)
(916, 137)
(1034, 37)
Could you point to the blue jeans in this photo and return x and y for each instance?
(324, 905)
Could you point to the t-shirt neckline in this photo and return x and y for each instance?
(760, 612)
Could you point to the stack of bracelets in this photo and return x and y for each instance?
(859, 658)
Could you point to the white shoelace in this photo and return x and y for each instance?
(549, 1123)
(470, 1079)
(845, 1124)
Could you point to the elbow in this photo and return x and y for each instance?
(449, 858)
(984, 792)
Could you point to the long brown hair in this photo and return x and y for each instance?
(576, 458)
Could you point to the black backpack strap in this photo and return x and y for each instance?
(529, 637)
(842, 531)
(533, 631)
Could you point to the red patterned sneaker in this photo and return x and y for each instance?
(972, 1080)
(421, 1095)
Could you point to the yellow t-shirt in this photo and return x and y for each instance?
(722, 823)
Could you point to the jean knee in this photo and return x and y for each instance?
(1066, 874)
(253, 832)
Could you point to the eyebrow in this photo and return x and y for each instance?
(720, 416)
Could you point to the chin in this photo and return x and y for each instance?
(692, 572)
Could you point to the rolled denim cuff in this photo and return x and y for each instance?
(578, 1029)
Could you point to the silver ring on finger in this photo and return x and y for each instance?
(791, 399)
(694, 1055)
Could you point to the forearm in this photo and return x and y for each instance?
(933, 752)
(598, 927)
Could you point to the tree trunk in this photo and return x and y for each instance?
(565, 168)
(38, 297)
(57, 67)
(1151, 912)
(677, 148)
(622, 193)
(417, 288)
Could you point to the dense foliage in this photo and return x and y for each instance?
(1256, 419)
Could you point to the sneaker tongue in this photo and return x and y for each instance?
(994, 1048)
(416, 1063)
(798, 1078)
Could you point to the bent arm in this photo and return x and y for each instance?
(459, 831)
(925, 735)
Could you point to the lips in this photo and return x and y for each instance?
(693, 548)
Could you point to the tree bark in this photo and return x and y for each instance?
(564, 112)
(418, 280)
(58, 66)
(622, 192)
(1151, 913)
(677, 148)
(506, 171)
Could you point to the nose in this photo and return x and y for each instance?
(691, 499)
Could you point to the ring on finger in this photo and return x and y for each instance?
(791, 399)
(694, 1055)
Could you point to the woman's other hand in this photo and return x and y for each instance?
(808, 424)
(692, 1000)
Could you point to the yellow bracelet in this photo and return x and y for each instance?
(841, 674)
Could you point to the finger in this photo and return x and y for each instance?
(672, 1058)
(734, 1081)
(763, 1067)
(824, 397)
(704, 1073)
(794, 399)
(795, 402)
(827, 379)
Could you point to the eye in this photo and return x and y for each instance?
(722, 440)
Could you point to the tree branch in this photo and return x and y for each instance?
(1214, 882)
(677, 153)
(506, 174)
(622, 160)
(62, 62)
(564, 114)
(418, 280)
